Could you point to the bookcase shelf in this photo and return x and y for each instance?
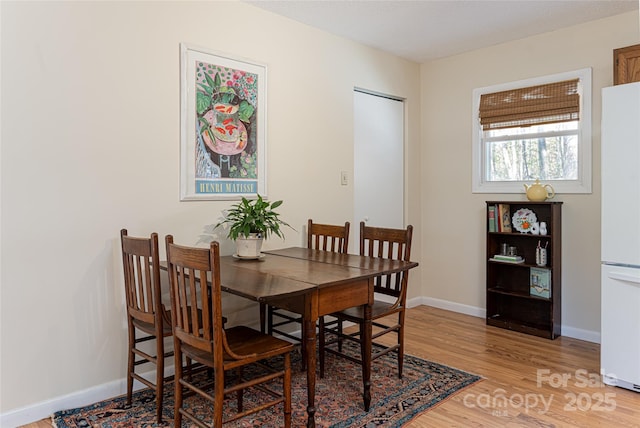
(515, 294)
(525, 235)
(510, 302)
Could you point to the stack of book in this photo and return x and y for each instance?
(499, 218)
(507, 259)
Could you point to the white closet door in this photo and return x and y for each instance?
(378, 182)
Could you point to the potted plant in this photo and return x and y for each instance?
(250, 222)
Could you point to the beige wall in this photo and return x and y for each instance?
(453, 218)
(90, 144)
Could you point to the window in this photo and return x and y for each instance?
(533, 129)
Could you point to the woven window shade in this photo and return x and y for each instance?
(535, 105)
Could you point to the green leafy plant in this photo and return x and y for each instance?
(253, 216)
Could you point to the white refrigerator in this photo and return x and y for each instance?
(620, 255)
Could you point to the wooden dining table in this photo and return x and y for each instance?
(312, 283)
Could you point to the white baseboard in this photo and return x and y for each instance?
(578, 333)
(45, 409)
(450, 306)
(568, 331)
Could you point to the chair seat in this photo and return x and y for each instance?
(244, 341)
(379, 309)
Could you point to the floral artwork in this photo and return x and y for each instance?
(225, 98)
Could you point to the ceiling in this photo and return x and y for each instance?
(423, 30)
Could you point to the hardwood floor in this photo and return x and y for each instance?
(528, 381)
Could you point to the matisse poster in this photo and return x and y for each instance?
(223, 125)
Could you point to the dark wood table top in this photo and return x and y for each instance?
(377, 266)
(295, 270)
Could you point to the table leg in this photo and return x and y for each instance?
(303, 349)
(310, 338)
(366, 356)
(263, 317)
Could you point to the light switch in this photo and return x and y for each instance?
(344, 178)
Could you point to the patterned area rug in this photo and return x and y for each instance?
(394, 401)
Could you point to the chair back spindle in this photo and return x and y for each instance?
(142, 277)
(390, 244)
(197, 307)
(145, 311)
(328, 237)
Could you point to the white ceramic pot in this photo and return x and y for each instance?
(543, 228)
(249, 247)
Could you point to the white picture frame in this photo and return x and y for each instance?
(223, 126)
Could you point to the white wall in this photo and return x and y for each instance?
(453, 218)
(90, 144)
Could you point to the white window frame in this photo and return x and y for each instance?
(580, 185)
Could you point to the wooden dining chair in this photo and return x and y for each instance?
(207, 342)
(374, 242)
(145, 312)
(326, 237)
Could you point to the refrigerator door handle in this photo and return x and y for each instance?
(624, 277)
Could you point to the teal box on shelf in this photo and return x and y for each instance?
(540, 282)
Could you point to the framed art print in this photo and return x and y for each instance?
(540, 282)
(223, 126)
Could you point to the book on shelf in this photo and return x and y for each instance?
(507, 259)
(504, 213)
(492, 218)
(540, 282)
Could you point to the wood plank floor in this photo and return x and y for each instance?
(528, 381)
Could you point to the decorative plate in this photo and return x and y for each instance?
(523, 220)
